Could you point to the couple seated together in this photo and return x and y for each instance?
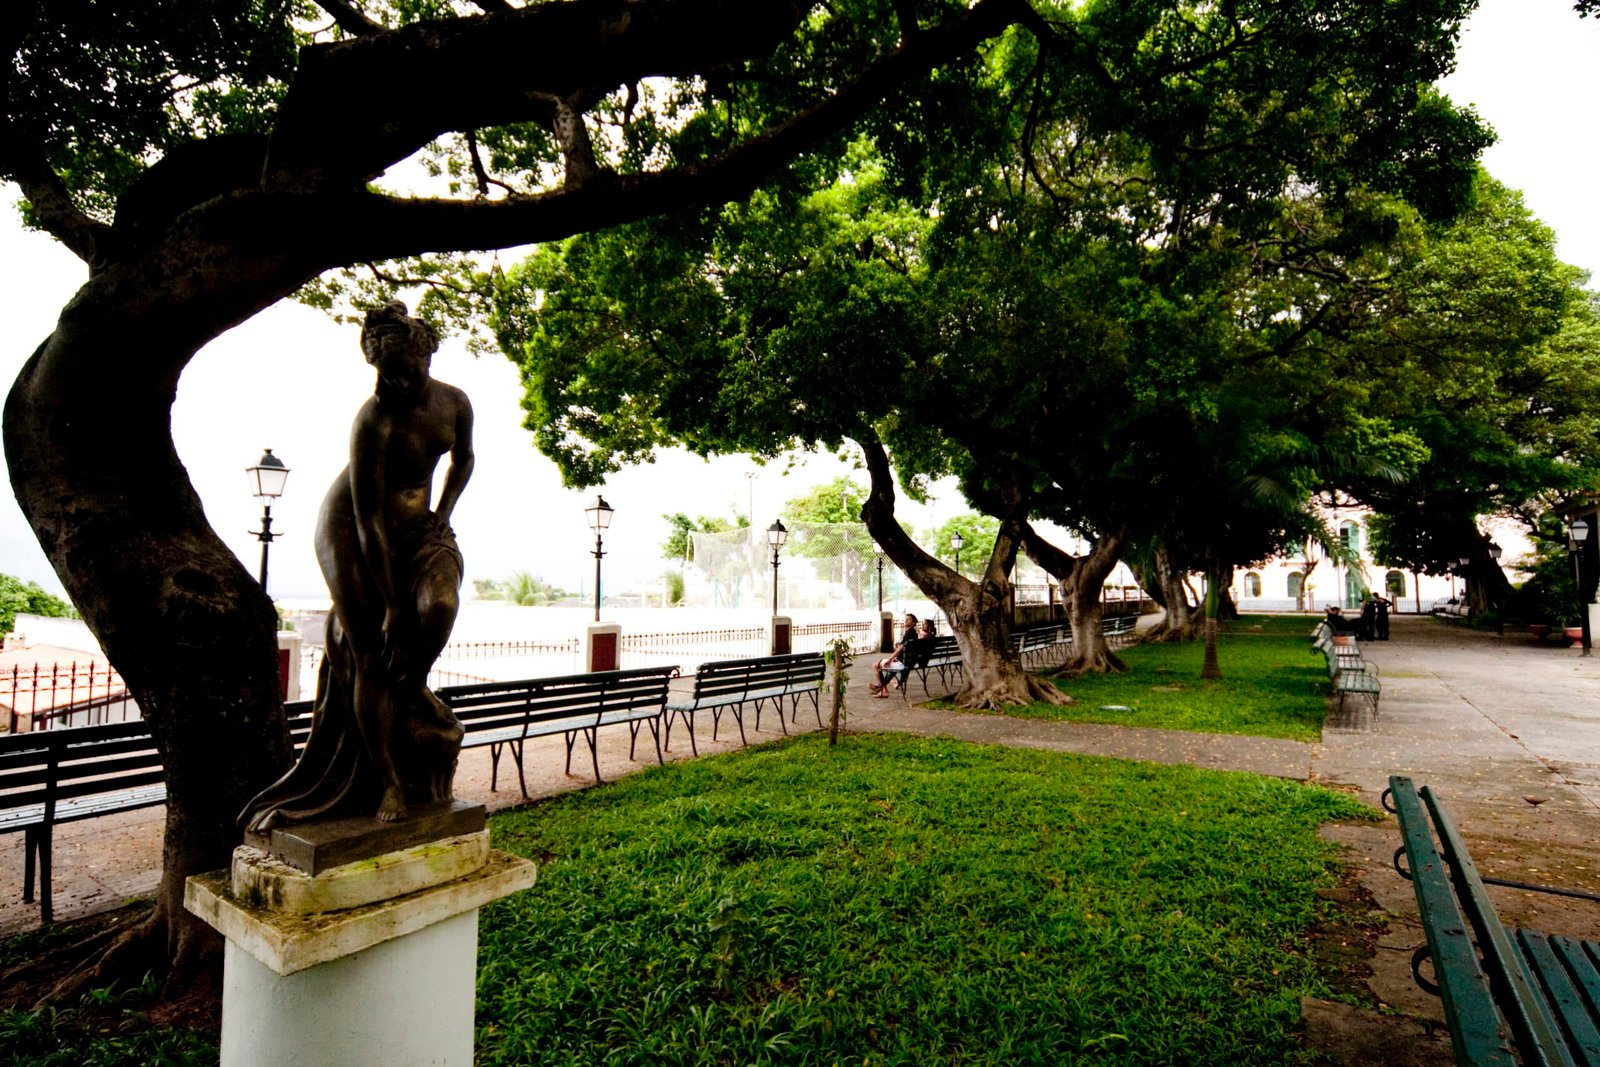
(915, 645)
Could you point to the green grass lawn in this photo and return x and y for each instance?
(1272, 685)
(908, 901)
(892, 901)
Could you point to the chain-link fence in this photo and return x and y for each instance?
(821, 565)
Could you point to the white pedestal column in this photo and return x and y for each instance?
(391, 980)
(408, 1001)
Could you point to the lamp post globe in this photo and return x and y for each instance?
(267, 480)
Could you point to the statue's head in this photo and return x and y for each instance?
(399, 346)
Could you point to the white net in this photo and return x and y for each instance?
(822, 565)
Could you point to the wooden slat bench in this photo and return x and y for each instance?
(57, 776)
(943, 656)
(728, 685)
(1507, 993)
(1119, 629)
(1041, 642)
(1348, 672)
(504, 715)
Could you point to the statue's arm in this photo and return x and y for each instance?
(461, 460)
(369, 441)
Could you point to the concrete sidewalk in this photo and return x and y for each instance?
(1494, 724)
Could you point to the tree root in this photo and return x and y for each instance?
(119, 957)
(1162, 632)
(1010, 693)
(1100, 662)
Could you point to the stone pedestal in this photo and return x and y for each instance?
(780, 635)
(602, 647)
(289, 664)
(885, 631)
(372, 959)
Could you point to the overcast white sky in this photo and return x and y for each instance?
(291, 380)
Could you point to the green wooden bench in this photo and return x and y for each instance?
(49, 777)
(1348, 672)
(504, 715)
(728, 685)
(942, 655)
(1510, 996)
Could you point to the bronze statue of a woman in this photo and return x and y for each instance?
(381, 741)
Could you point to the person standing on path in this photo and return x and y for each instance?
(1380, 617)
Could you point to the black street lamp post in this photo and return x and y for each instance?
(267, 479)
(956, 541)
(880, 582)
(599, 515)
(776, 536)
(1577, 534)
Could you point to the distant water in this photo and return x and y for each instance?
(493, 621)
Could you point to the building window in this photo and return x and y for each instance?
(1350, 534)
(1395, 583)
(1296, 583)
(1252, 584)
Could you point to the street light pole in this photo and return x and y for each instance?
(599, 515)
(956, 542)
(776, 536)
(880, 582)
(267, 479)
(1577, 534)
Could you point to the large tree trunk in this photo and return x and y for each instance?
(1082, 579)
(979, 612)
(1180, 621)
(1210, 668)
(1226, 608)
(1488, 588)
(88, 442)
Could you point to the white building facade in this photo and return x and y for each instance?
(1297, 581)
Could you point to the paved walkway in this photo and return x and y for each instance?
(1507, 729)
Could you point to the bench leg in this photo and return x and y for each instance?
(655, 731)
(688, 724)
(738, 717)
(46, 903)
(633, 738)
(516, 754)
(592, 735)
(30, 849)
(571, 737)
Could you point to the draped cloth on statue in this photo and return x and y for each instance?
(336, 774)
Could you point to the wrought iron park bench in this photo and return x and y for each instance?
(1348, 672)
(942, 655)
(728, 685)
(504, 715)
(1510, 995)
(49, 777)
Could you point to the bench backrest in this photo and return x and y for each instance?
(597, 695)
(49, 766)
(735, 676)
(1480, 998)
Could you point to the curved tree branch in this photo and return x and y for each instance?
(350, 19)
(392, 76)
(53, 209)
